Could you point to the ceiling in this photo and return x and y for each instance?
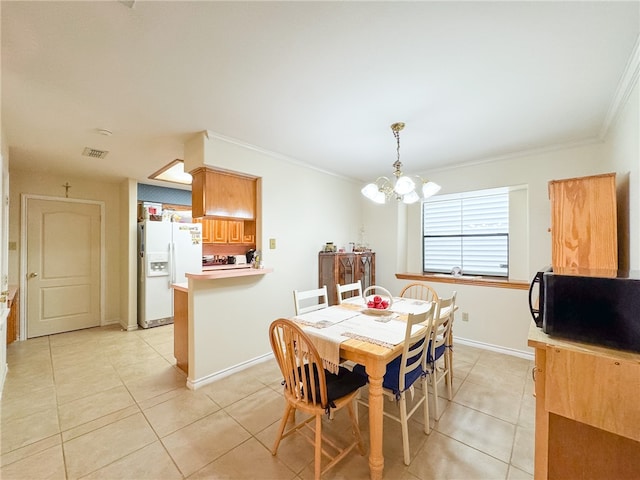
(316, 82)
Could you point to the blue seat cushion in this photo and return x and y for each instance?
(391, 380)
(438, 353)
(338, 385)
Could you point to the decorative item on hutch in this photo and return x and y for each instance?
(344, 268)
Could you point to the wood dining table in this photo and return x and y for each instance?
(375, 359)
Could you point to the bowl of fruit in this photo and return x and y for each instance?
(378, 300)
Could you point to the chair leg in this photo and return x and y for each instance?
(318, 448)
(434, 385)
(355, 407)
(449, 373)
(283, 424)
(427, 426)
(405, 429)
(352, 408)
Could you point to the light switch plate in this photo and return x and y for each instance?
(272, 243)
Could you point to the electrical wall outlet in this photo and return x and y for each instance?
(465, 316)
(272, 243)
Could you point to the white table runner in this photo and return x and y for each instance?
(327, 331)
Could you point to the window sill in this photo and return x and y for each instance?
(471, 280)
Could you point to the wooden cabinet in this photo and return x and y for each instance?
(218, 231)
(227, 231)
(587, 410)
(342, 268)
(584, 230)
(235, 231)
(13, 325)
(222, 194)
(181, 328)
(249, 233)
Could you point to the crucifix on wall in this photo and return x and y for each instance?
(66, 189)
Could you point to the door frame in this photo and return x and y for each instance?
(24, 198)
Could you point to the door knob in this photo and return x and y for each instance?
(33, 275)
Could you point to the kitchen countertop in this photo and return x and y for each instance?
(213, 274)
(182, 287)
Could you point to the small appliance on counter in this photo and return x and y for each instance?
(250, 254)
(594, 306)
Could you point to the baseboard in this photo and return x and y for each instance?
(493, 348)
(201, 382)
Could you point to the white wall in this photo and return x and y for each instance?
(128, 219)
(4, 267)
(622, 149)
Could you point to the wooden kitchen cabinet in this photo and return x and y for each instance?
(249, 233)
(235, 231)
(587, 410)
(218, 231)
(221, 194)
(342, 268)
(584, 230)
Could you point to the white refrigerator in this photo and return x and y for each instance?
(166, 251)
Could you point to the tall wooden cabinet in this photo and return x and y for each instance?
(584, 231)
(342, 268)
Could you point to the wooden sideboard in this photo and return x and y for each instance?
(587, 410)
(343, 268)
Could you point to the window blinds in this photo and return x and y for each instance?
(468, 230)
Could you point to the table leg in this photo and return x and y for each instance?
(376, 458)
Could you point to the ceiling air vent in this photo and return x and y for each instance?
(93, 153)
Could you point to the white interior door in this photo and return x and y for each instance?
(63, 265)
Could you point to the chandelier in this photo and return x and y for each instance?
(407, 188)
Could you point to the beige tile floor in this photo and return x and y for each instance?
(107, 404)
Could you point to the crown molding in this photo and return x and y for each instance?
(625, 86)
(209, 134)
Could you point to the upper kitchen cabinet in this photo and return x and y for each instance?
(584, 230)
(222, 194)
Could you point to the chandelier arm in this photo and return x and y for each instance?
(402, 187)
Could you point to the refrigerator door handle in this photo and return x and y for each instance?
(172, 264)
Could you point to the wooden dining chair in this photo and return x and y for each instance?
(419, 291)
(310, 300)
(349, 291)
(440, 348)
(314, 391)
(404, 371)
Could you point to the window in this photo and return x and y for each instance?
(469, 231)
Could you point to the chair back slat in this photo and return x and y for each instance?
(299, 362)
(442, 323)
(414, 353)
(309, 300)
(349, 290)
(419, 291)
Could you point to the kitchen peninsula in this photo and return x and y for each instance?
(200, 321)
